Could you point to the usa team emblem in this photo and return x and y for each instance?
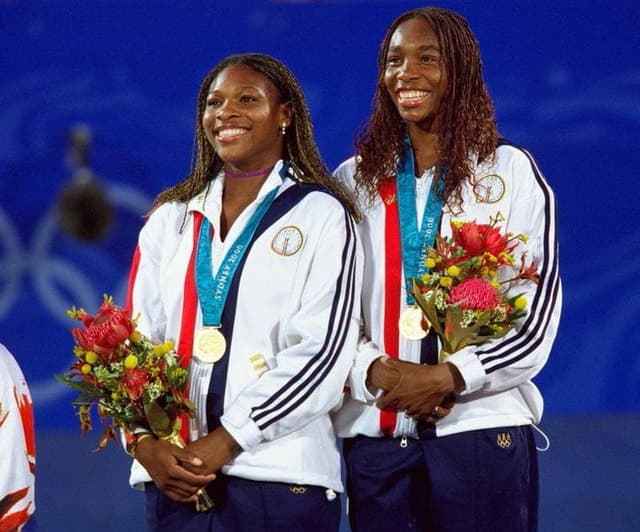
(288, 241)
(503, 439)
(489, 188)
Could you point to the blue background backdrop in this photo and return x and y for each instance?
(565, 78)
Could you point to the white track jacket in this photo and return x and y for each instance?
(497, 374)
(291, 323)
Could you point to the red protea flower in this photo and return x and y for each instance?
(106, 332)
(474, 294)
(477, 239)
(134, 382)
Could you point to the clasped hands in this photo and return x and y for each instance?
(180, 473)
(420, 391)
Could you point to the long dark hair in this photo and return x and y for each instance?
(467, 117)
(299, 144)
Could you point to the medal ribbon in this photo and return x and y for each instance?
(415, 242)
(213, 292)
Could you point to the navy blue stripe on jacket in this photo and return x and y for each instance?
(300, 386)
(533, 329)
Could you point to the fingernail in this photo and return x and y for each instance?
(196, 462)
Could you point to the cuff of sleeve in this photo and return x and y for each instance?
(241, 427)
(470, 368)
(359, 390)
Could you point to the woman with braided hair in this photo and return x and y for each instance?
(252, 266)
(430, 444)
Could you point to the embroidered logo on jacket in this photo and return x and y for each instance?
(288, 241)
(489, 188)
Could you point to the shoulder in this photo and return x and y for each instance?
(165, 217)
(346, 171)
(511, 154)
(514, 170)
(313, 197)
(512, 163)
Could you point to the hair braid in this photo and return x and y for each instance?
(467, 124)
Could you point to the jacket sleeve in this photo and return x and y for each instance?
(320, 339)
(516, 358)
(366, 351)
(143, 291)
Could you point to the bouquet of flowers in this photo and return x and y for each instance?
(131, 382)
(466, 295)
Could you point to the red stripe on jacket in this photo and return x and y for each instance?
(189, 311)
(392, 287)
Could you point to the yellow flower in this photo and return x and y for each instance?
(163, 348)
(431, 263)
(521, 303)
(446, 281)
(426, 278)
(453, 271)
(135, 337)
(91, 357)
(495, 284)
(130, 361)
(114, 396)
(86, 368)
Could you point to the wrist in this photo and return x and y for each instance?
(382, 374)
(230, 443)
(134, 443)
(456, 381)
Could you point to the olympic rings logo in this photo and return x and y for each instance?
(55, 278)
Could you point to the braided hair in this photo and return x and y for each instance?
(299, 144)
(467, 119)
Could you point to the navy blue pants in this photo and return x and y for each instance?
(478, 481)
(246, 506)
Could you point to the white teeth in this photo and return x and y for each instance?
(230, 132)
(411, 95)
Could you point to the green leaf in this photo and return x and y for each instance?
(159, 421)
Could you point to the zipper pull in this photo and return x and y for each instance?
(403, 442)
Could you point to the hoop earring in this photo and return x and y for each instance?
(283, 129)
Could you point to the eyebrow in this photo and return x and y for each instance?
(421, 48)
(244, 87)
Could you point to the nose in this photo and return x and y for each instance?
(408, 70)
(226, 110)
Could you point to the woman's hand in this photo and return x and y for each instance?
(216, 449)
(422, 391)
(167, 465)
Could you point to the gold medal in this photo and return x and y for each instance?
(411, 323)
(210, 345)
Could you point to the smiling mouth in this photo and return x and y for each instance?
(409, 97)
(230, 132)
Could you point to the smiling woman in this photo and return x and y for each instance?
(447, 431)
(252, 266)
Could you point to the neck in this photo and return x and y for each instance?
(244, 175)
(425, 148)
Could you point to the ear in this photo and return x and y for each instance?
(286, 114)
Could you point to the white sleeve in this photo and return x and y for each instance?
(367, 351)
(310, 374)
(516, 358)
(144, 284)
